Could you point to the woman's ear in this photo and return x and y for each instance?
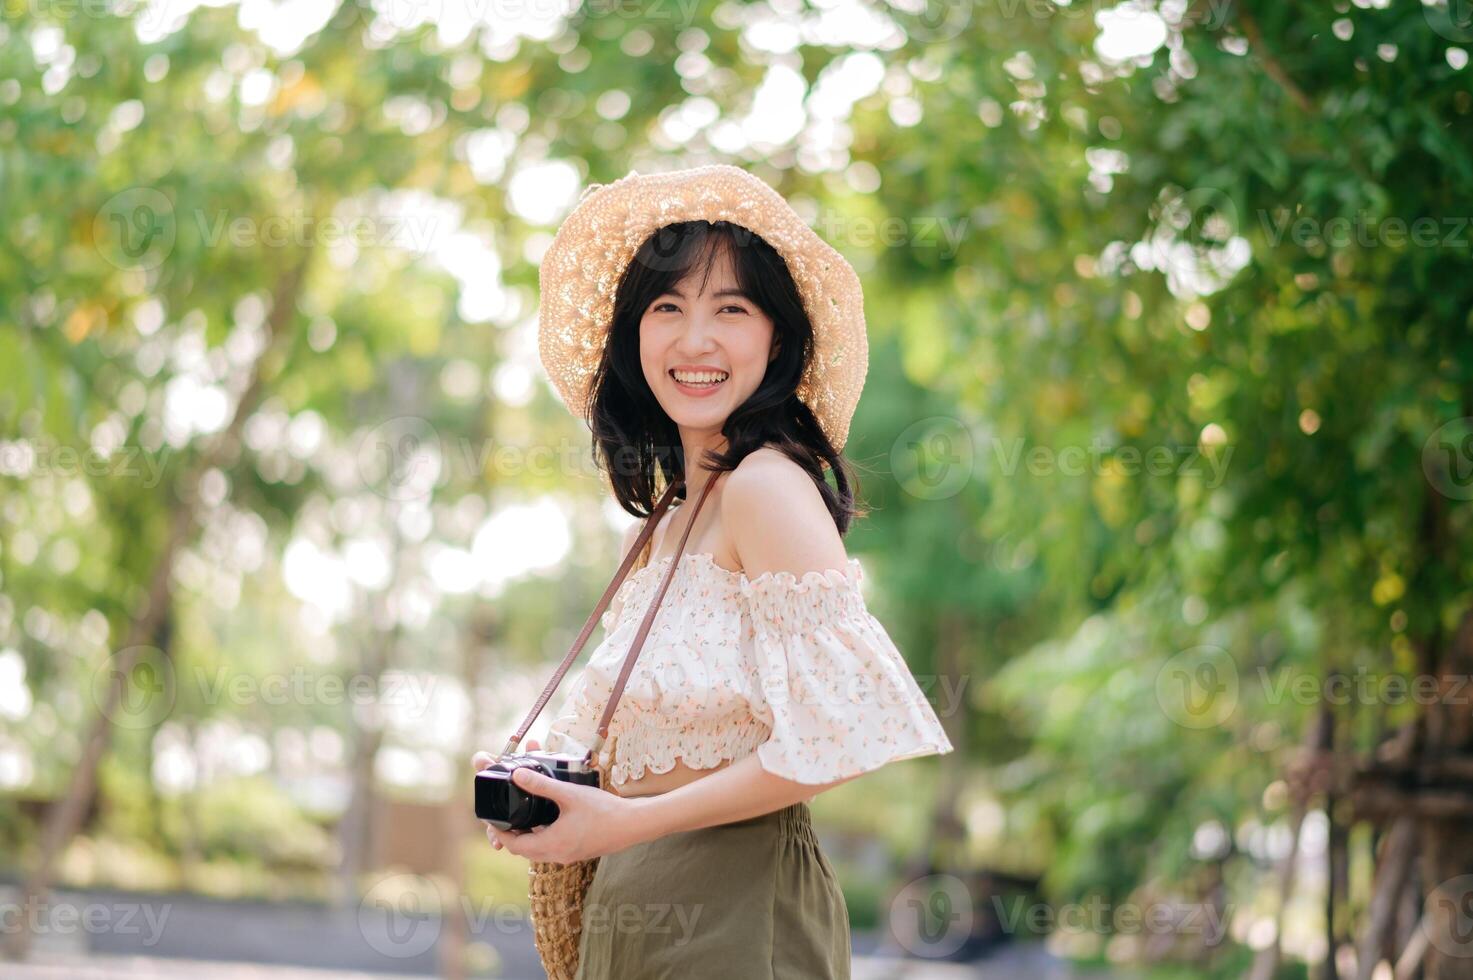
(777, 343)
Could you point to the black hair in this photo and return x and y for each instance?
(633, 436)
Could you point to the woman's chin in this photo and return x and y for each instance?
(686, 410)
(698, 417)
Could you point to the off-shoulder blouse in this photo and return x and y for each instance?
(793, 668)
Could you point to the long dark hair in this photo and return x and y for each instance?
(633, 437)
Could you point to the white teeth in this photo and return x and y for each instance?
(699, 377)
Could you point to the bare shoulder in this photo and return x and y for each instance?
(776, 519)
(630, 533)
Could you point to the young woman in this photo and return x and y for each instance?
(707, 334)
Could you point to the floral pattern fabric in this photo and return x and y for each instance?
(793, 668)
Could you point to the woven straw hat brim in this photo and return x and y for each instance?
(581, 271)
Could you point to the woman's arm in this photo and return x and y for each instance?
(741, 790)
(594, 822)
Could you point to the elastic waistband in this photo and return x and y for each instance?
(795, 822)
(791, 823)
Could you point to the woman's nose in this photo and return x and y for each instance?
(697, 337)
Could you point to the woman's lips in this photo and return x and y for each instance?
(698, 391)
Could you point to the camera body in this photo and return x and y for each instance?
(506, 806)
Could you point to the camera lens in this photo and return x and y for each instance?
(508, 806)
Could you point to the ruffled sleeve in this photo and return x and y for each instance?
(839, 697)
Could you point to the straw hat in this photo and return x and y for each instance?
(582, 268)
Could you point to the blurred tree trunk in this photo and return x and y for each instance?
(1394, 861)
(1317, 742)
(65, 815)
(1447, 832)
(1337, 880)
(191, 853)
(1441, 776)
(164, 643)
(461, 826)
(357, 831)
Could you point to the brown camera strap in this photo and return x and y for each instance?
(598, 611)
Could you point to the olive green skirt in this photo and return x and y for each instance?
(750, 900)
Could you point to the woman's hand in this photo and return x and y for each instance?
(591, 822)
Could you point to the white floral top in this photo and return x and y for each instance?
(794, 669)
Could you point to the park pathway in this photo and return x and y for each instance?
(100, 934)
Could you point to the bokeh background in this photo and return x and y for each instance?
(1167, 439)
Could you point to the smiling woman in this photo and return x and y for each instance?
(709, 336)
(701, 339)
(727, 362)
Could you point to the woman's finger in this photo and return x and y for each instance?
(482, 760)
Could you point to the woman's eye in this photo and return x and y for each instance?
(667, 306)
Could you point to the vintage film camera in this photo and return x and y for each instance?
(506, 806)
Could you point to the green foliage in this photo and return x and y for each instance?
(1160, 363)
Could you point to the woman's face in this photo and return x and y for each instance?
(690, 334)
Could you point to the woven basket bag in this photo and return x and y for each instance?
(556, 891)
